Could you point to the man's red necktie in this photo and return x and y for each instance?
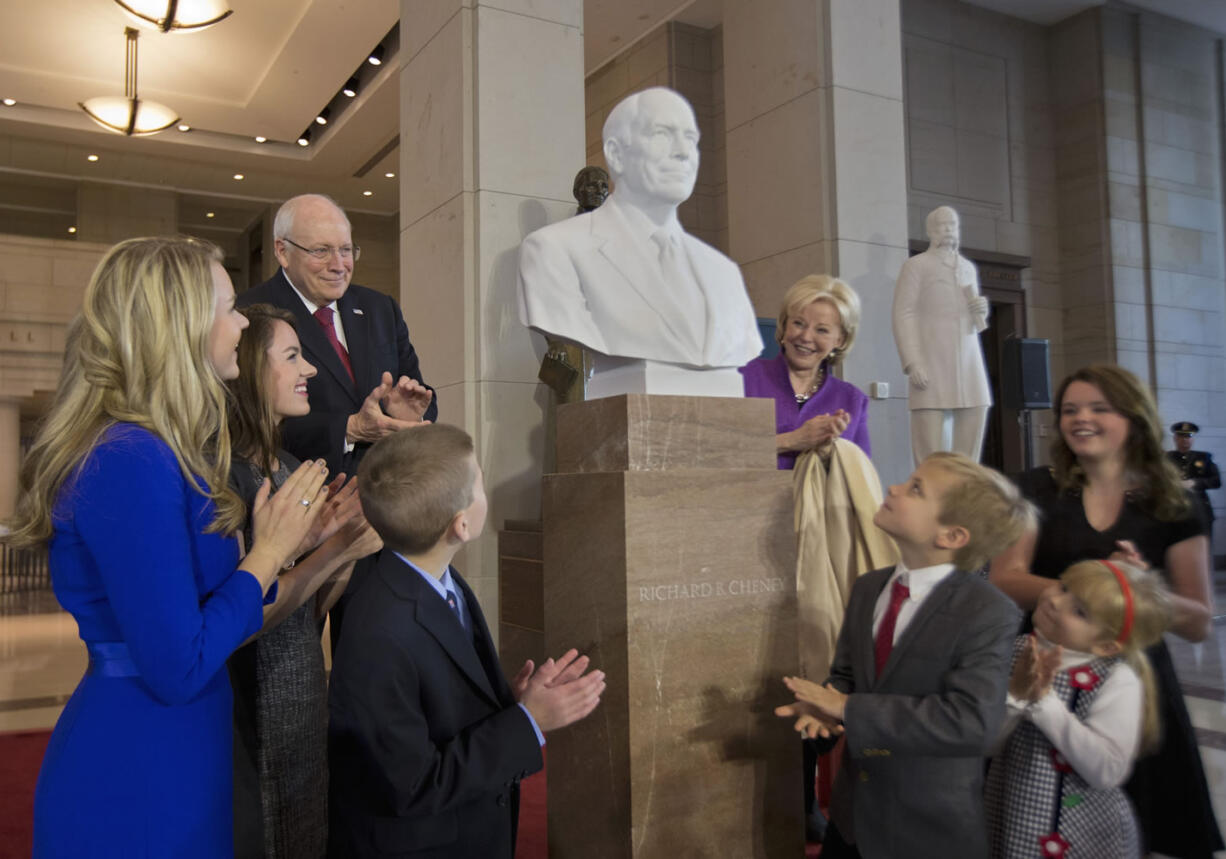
(324, 316)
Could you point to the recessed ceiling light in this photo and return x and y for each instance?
(183, 126)
(304, 141)
(376, 56)
(238, 176)
(322, 119)
(210, 214)
(91, 157)
(368, 193)
(10, 101)
(260, 139)
(351, 87)
(390, 175)
(72, 229)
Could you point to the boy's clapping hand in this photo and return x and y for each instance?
(809, 722)
(828, 700)
(558, 693)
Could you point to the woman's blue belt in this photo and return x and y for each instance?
(110, 659)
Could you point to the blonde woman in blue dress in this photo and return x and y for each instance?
(126, 483)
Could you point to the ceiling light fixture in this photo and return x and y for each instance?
(176, 16)
(390, 175)
(210, 214)
(322, 118)
(304, 139)
(351, 87)
(259, 139)
(72, 229)
(129, 115)
(368, 193)
(183, 126)
(376, 56)
(238, 176)
(91, 157)
(9, 102)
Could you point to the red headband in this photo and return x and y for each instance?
(1126, 629)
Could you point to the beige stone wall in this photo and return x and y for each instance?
(1163, 97)
(379, 238)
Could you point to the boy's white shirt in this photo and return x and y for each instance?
(919, 582)
(1102, 747)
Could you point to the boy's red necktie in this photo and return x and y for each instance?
(884, 642)
(324, 316)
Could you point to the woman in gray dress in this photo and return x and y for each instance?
(280, 686)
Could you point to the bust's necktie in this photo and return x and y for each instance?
(884, 642)
(324, 316)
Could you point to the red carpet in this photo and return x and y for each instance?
(21, 754)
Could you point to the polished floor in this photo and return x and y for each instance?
(41, 660)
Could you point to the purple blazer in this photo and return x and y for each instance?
(769, 378)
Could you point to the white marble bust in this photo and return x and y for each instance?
(626, 280)
(938, 314)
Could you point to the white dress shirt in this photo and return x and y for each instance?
(920, 582)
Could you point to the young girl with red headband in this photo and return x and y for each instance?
(1082, 704)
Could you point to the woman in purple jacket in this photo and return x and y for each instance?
(817, 325)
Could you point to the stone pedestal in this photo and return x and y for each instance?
(612, 376)
(669, 557)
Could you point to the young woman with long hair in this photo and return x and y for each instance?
(126, 483)
(1112, 493)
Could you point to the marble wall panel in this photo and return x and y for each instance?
(437, 250)
(436, 149)
(768, 78)
(515, 47)
(866, 29)
(871, 165)
(767, 159)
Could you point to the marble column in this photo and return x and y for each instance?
(491, 134)
(10, 454)
(817, 172)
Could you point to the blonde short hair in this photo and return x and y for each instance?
(986, 504)
(412, 483)
(822, 287)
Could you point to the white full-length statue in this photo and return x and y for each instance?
(665, 312)
(938, 314)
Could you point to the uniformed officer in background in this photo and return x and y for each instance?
(1196, 467)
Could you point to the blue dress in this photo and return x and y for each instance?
(139, 763)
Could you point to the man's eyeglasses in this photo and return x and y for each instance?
(325, 252)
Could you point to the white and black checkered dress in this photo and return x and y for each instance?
(1033, 794)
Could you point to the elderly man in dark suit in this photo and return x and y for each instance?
(369, 383)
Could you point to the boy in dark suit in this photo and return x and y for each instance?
(918, 681)
(427, 742)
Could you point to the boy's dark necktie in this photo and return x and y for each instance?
(455, 607)
(324, 316)
(884, 642)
